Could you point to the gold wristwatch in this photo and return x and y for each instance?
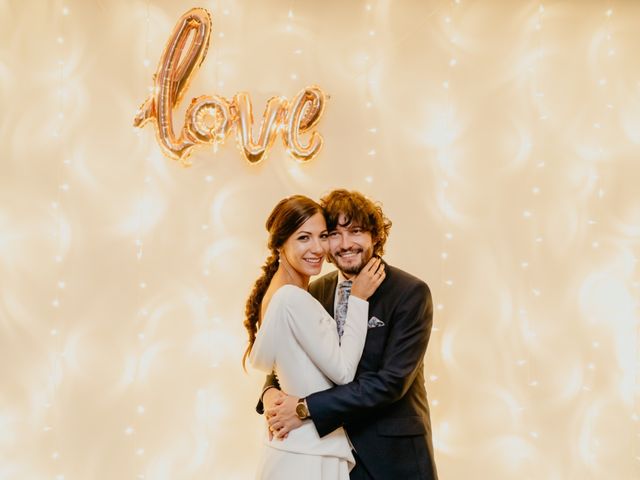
(301, 409)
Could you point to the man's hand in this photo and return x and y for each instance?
(270, 399)
(282, 417)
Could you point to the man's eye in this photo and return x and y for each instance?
(333, 234)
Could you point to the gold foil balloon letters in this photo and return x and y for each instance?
(210, 118)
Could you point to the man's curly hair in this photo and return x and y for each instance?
(357, 210)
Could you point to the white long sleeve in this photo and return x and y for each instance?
(294, 315)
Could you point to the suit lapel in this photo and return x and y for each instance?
(329, 284)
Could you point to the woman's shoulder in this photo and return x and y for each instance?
(291, 295)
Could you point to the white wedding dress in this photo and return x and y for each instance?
(299, 341)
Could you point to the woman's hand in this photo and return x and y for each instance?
(369, 279)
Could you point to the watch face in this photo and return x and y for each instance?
(301, 411)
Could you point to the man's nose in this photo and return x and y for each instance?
(345, 242)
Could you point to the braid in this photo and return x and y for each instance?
(254, 302)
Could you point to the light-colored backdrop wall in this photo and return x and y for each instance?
(501, 137)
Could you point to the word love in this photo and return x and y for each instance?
(210, 118)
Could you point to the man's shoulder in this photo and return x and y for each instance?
(402, 277)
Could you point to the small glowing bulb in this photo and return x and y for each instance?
(367, 7)
(290, 14)
(221, 83)
(146, 62)
(526, 214)
(297, 51)
(433, 378)
(445, 84)
(60, 40)
(371, 153)
(453, 62)
(447, 19)
(609, 12)
(140, 409)
(140, 451)
(294, 76)
(64, 187)
(128, 431)
(368, 179)
(521, 363)
(55, 455)
(209, 178)
(439, 306)
(435, 402)
(143, 285)
(373, 130)
(448, 236)
(444, 255)
(449, 283)
(53, 332)
(368, 104)
(56, 303)
(535, 190)
(372, 33)
(534, 434)
(536, 292)
(221, 35)
(65, 11)
(533, 383)
(524, 264)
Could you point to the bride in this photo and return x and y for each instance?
(291, 333)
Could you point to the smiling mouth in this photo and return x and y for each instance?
(348, 255)
(313, 261)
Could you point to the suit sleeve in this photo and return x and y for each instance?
(271, 381)
(402, 357)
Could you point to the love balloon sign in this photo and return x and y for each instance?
(209, 119)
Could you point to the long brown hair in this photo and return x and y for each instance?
(285, 218)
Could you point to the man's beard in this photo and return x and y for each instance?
(352, 269)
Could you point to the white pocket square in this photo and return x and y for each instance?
(375, 322)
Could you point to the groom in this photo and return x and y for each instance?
(384, 410)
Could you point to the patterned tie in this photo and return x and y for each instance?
(344, 290)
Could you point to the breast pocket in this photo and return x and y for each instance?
(374, 347)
